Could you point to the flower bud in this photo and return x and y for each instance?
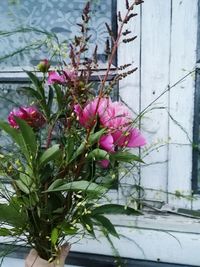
(44, 65)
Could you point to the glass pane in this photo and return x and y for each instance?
(11, 96)
(47, 16)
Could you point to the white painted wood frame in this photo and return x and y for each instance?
(164, 52)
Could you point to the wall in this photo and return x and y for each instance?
(164, 52)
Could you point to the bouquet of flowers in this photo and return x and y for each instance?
(66, 147)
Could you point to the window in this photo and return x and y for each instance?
(29, 29)
(40, 24)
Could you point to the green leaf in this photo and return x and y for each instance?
(59, 96)
(40, 89)
(106, 223)
(22, 186)
(16, 137)
(49, 154)
(50, 99)
(31, 92)
(57, 183)
(25, 183)
(14, 133)
(77, 186)
(11, 215)
(37, 83)
(87, 224)
(78, 152)
(98, 154)
(125, 156)
(5, 232)
(94, 138)
(28, 136)
(54, 236)
(115, 209)
(69, 148)
(69, 229)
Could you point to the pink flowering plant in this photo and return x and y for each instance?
(67, 148)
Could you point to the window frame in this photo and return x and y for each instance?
(196, 136)
(196, 127)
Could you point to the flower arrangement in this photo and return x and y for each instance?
(66, 149)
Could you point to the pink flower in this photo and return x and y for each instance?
(54, 77)
(116, 118)
(31, 115)
(88, 115)
(68, 75)
(106, 142)
(128, 138)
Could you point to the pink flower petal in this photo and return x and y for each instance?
(107, 143)
(136, 139)
(104, 163)
(89, 113)
(129, 138)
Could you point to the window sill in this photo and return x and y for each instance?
(151, 237)
(153, 221)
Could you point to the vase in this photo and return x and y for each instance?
(34, 260)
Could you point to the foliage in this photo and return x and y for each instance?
(64, 143)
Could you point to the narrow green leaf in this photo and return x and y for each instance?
(88, 224)
(50, 99)
(59, 96)
(32, 92)
(57, 183)
(22, 186)
(5, 232)
(25, 183)
(28, 136)
(94, 138)
(106, 223)
(40, 89)
(69, 229)
(98, 154)
(69, 148)
(16, 137)
(115, 209)
(77, 186)
(78, 152)
(54, 236)
(37, 83)
(125, 156)
(49, 154)
(14, 133)
(10, 214)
